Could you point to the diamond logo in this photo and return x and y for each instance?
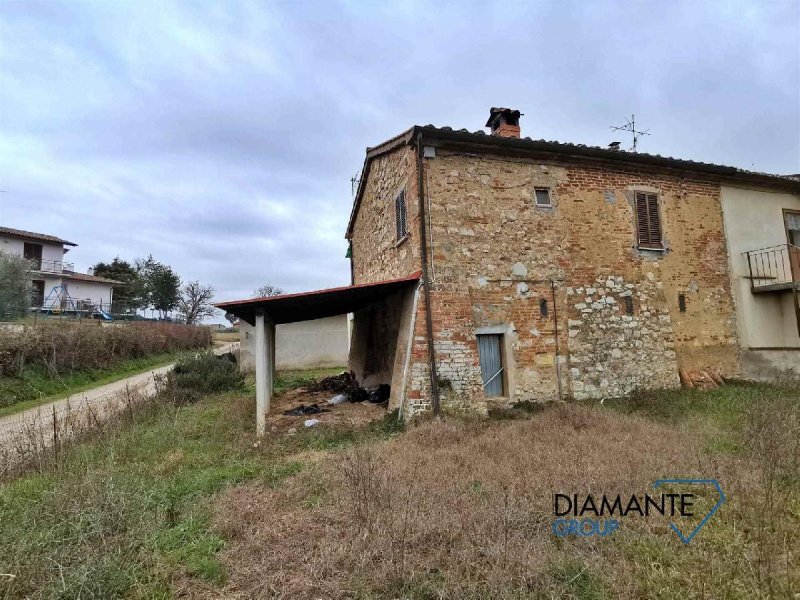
(688, 538)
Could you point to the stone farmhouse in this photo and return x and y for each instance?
(496, 268)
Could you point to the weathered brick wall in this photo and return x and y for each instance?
(695, 263)
(494, 254)
(377, 255)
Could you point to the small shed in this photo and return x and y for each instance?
(382, 312)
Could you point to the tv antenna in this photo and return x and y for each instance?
(354, 181)
(630, 127)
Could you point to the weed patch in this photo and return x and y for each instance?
(194, 376)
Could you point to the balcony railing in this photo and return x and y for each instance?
(52, 266)
(774, 269)
(68, 306)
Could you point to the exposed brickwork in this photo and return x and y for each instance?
(495, 256)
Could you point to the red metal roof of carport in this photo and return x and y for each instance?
(288, 308)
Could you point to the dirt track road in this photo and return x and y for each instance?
(41, 417)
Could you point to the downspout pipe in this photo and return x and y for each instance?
(555, 337)
(423, 247)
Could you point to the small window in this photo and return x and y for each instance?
(400, 215)
(628, 305)
(542, 195)
(648, 222)
(544, 311)
(491, 358)
(682, 302)
(33, 252)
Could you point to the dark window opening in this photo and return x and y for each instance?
(682, 302)
(648, 222)
(628, 305)
(37, 292)
(491, 358)
(791, 219)
(542, 196)
(544, 311)
(400, 215)
(33, 252)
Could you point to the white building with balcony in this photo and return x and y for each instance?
(762, 228)
(57, 286)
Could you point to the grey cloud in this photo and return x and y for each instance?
(221, 137)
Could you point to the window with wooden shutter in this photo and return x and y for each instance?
(400, 215)
(648, 221)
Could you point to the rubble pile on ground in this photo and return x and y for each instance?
(343, 383)
(345, 388)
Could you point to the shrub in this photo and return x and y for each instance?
(15, 286)
(62, 348)
(194, 376)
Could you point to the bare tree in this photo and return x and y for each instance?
(267, 290)
(195, 302)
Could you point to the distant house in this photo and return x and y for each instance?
(56, 284)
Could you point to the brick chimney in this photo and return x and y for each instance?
(504, 122)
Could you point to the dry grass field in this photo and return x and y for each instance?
(460, 509)
(186, 503)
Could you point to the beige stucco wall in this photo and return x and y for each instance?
(302, 345)
(754, 219)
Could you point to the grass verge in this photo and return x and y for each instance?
(129, 514)
(35, 387)
(185, 502)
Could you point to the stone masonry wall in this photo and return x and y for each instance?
(377, 255)
(612, 352)
(494, 254)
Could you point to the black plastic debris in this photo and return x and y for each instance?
(380, 394)
(302, 410)
(359, 395)
(340, 384)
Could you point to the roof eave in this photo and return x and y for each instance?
(84, 277)
(546, 149)
(543, 149)
(288, 308)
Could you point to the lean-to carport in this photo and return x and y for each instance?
(265, 313)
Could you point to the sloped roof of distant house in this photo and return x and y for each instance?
(30, 235)
(91, 278)
(481, 142)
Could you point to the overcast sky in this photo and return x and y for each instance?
(221, 136)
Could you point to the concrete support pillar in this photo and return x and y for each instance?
(265, 369)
